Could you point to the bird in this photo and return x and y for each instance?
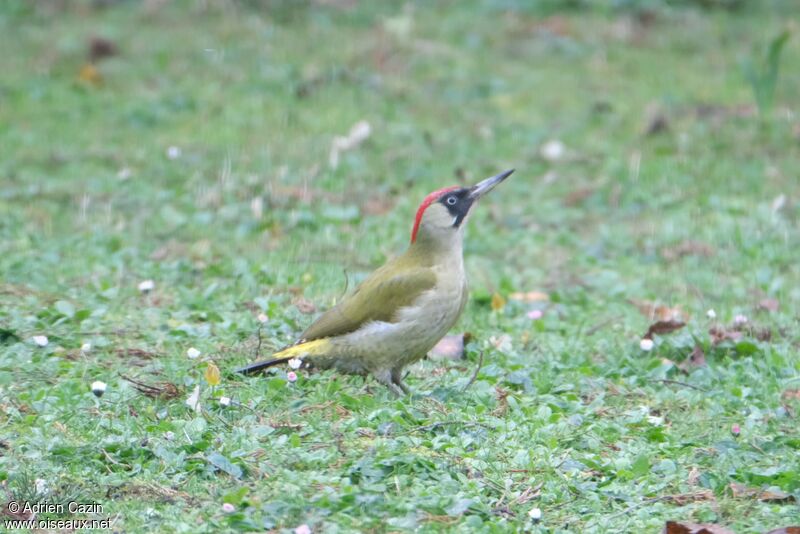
(401, 310)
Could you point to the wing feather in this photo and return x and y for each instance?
(376, 299)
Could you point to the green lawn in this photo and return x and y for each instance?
(198, 157)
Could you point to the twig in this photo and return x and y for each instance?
(475, 374)
(633, 507)
(112, 460)
(676, 382)
(601, 324)
(257, 352)
(425, 428)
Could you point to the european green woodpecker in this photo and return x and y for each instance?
(399, 312)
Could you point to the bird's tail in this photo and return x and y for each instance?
(301, 351)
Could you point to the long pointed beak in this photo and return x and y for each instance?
(488, 184)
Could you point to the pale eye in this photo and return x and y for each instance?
(451, 201)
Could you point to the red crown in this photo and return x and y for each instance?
(430, 199)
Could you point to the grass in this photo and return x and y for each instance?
(568, 415)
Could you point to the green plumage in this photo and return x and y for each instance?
(395, 285)
(395, 316)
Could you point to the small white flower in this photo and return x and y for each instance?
(302, 529)
(502, 342)
(86, 347)
(41, 341)
(41, 486)
(145, 286)
(225, 401)
(228, 508)
(535, 513)
(173, 152)
(740, 319)
(98, 388)
(553, 150)
(169, 435)
(262, 318)
(257, 207)
(295, 363)
(711, 314)
(124, 173)
(192, 353)
(193, 401)
(291, 376)
(646, 345)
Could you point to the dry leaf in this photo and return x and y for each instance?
(663, 327)
(377, 205)
(502, 342)
(90, 75)
(737, 332)
(696, 359)
(162, 390)
(359, 133)
(449, 347)
(498, 302)
(101, 48)
(768, 304)
(530, 296)
(685, 498)
(785, 530)
(212, 374)
(578, 196)
(687, 248)
(680, 527)
(660, 312)
(139, 353)
(658, 123)
(791, 394)
(740, 491)
(304, 305)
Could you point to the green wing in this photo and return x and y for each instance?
(377, 299)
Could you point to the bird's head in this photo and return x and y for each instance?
(441, 215)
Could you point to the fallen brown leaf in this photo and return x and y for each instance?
(162, 390)
(740, 491)
(138, 353)
(720, 334)
(304, 305)
(577, 196)
(501, 395)
(660, 312)
(687, 248)
(768, 304)
(697, 358)
(680, 527)
(101, 48)
(17, 514)
(785, 530)
(377, 205)
(682, 499)
(737, 333)
(658, 123)
(791, 394)
(663, 327)
(529, 296)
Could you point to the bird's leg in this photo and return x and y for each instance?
(397, 379)
(386, 378)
